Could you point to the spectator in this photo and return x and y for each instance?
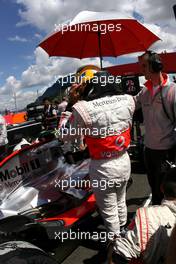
(149, 235)
(3, 138)
(49, 120)
(158, 102)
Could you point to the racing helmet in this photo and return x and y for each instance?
(86, 73)
(102, 84)
(83, 76)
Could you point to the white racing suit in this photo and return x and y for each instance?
(3, 138)
(149, 234)
(99, 120)
(3, 132)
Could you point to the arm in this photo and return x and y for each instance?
(138, 99)
(76, 124)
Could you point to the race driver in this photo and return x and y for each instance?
(104, 116)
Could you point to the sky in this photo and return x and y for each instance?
(26, 70)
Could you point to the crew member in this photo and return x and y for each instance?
(50, 119)
(3, 138)
(158, 102)
(150, 230)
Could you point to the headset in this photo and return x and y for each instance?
(155, 63)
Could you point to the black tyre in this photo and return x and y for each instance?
(21, 252)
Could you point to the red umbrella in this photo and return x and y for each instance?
(125, 69)
(93, 34)
(168, 60)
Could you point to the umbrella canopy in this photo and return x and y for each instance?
(125, 69)
(98, 34)
(168, 60)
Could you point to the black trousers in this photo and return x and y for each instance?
(154, 159)
(3, 151)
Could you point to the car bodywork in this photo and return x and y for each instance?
(40, 193)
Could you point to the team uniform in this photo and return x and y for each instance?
(149, 235)
(159, 111)
(3, 137)
(105, 123)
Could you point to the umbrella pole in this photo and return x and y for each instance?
(99, 46)
(101, 64)
(174, 8)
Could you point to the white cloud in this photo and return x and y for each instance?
(22, 99)
(168, 40)
(40, 76)
(42, 15)
(38, 36)
(17, 38)
(42, 57)
(158, 11)
(10, 85)
(47, 70)
(158, 16)
(45, 16)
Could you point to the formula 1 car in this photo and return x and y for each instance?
(40, 195)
